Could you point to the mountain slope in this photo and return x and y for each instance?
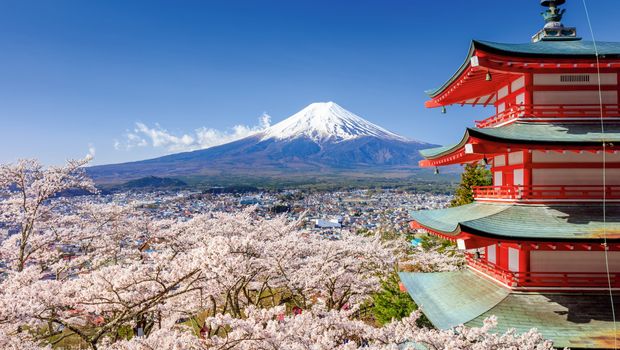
(321, 138)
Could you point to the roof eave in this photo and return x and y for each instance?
(487, 47)
(479, 134)
(435, 92)
(448, 151)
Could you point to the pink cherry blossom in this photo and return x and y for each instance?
(101, 271)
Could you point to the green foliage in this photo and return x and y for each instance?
(473, 175)
(390, 235)
(422, 181)
(390, 303)
(431, 242)
(280, 208)
(363, 232)
(151, 182)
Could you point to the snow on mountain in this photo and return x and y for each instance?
(321, 139)
(327, 121)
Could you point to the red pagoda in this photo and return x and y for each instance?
(543, 242)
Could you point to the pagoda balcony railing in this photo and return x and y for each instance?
(547, 193)
(544, 280)
(544, 112)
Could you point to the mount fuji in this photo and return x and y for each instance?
(322, 138)
(326, 122)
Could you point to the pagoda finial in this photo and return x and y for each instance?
(553, 15)
(553, 29)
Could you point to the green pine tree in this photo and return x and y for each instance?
(473, 175)
(390, 303)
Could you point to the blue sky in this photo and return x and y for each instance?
(90, 74)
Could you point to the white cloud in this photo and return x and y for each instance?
(158, 137)
(91, 151)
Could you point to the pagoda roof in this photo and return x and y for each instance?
(462, 68)
(472, 78)
(461, 300)
(565, 222)
(560, 48)
(568, 134)
(449, 299)
(439, 151)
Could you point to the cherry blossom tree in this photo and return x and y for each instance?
(115, 278)
(433, 260)
(321, 329)
(219, 263)
(27, 190)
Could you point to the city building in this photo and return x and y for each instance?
(332, 223)
(543, 242)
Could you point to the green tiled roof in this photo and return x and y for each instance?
(447, 220)
(449, 299)
(541, 133)
(532, 222)
(463, 297)
(431, 152)
(574, 321)
(562, 49)
(537, 133)
(572, 48)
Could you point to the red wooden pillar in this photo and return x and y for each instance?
(502, 256)
(524, 264)
(529, 89)
(524, 258)
(527, 172)
(527, 167)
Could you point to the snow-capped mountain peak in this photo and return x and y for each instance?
(327, 121)
(321, 139)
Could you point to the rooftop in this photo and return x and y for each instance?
(573, 48)
(474, 89)
(564, 134)
(464, 297)
(525, 222)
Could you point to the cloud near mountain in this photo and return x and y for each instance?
(160, 138)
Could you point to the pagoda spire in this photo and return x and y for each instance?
(553, 15)
(554, 29)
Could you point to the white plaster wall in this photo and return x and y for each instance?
(574, 177)
(515, 158)
(573, 261)
(501, 107)
(499, 160)
(513, 259)
(497, 178)
(491, 254)
(518, 177)
(585, 157)
(555, 79)
(503, 92)
(520, 99)
(574, 97)
(517, 84)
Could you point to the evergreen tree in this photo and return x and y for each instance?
(473, 175)
(390, 303)
(429, 242)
